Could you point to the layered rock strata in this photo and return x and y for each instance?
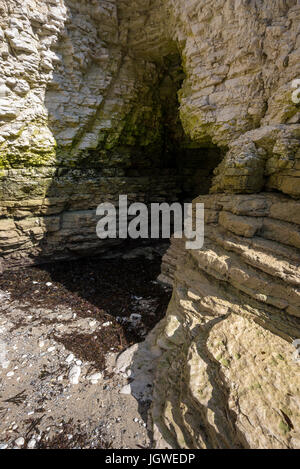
(90, 91)
(107, 97)
(228, 374)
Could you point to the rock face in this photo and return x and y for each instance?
(228, 375)
(88, 109)
(79, 118)
(89, 99)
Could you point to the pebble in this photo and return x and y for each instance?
(41, 343)
(78, 362)
(135, 317)
(10, 373)
(74, 374)
(20, 441)
(31, 444)
(135, 420)
(51, 349)
(70, 358)
(3, 445)
(106, 324)
(48, 284)
(126, 389)
(94, 377)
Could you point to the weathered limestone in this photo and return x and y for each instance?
(71, 133)
(47, 214)
(107, 97)
(227, 375)
(93, 85)
(83, 118)
(240, 59)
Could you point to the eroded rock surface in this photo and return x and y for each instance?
(89, 110)
(105, 97)
(228, 375)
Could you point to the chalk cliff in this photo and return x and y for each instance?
(146, 98)
(228, 376)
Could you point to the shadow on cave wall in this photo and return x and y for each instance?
(73, 256)
(167, 168)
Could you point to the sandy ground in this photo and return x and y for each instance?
(52, 397)
(40, 397)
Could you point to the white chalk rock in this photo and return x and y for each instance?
(126, 389)
(31, 444)
(20, 441)
(107, 324)
(94, 378)
(74, 374)
(70, 358)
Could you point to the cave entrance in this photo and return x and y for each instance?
(187, 165)
(195, 169)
